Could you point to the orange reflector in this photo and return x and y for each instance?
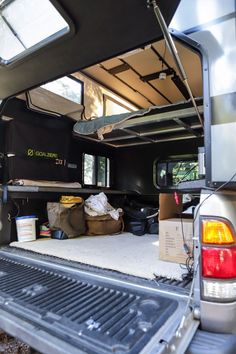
(216, 232)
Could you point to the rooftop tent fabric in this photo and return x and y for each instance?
(106, 124)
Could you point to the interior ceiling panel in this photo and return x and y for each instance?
(146, 61)
(191, 62)
(102, 29)
(115, 85)
(168, 88)
(132, 79)
(109, 64)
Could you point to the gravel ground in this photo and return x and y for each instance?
(9, 345)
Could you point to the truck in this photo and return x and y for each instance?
(133, 99)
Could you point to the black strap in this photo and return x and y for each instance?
(4, 194)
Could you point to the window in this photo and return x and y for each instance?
(26, 23)
(67, 87)
(111, 106)
(172, 172)
(96, 171)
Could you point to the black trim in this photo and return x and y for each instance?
(82, 87)
(206, 96)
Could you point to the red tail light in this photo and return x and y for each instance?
(219, 262)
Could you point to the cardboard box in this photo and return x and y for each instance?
(172, 231)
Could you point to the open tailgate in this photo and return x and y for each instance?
(60, 309)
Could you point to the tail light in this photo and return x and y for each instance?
(219, 262)
(218, 259)
(217, 232)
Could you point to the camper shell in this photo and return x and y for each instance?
(135, 132)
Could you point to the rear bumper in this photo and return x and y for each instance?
(212, 343)
(218, 317)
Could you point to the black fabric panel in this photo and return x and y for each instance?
(3, 132)
(34, 139)
(50, 133)
(40, 144)
(21, 168)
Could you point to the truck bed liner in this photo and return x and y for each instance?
(85, 312)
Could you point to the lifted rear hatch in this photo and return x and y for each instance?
(99, 30)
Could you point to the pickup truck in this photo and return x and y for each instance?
(136, 99)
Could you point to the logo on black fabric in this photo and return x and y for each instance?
(30, 152)
(42, 154)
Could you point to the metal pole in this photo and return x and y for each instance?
(173, 50)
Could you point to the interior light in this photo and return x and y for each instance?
(162, 76)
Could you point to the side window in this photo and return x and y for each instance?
(89, 170)
(68, 87)
(96, 171)
(112, 106)
(172, 172)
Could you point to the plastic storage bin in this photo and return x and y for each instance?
(25, 226)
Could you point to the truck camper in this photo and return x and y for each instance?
(118, 175)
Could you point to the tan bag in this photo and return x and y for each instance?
(103, 225)
(70, 220)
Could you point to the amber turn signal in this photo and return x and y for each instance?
(217, 232)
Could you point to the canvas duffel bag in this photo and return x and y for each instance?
(70, 220)
(103, 225)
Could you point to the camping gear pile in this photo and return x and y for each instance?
(73, 216)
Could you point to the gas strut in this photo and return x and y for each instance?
(173, 50)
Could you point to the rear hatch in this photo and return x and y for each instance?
(98, 30)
